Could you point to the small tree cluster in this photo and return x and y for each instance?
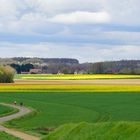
(6, 74)
(22, 68)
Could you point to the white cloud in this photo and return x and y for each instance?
(121, 12)
(81, 17)
(27, 15)
(7, 8)
(124, 11)
(60, 20)
(85, 53)
(53, 7)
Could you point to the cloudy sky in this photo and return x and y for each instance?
(89, 30)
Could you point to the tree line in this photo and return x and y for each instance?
(85, 68)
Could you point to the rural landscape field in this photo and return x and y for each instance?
(69, 69)
(81, 109)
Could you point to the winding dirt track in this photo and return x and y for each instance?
(22, 111)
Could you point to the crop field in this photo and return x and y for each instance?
(73, 77)
(73, 111)
(4, 136)
(6, 110)
(55, 109)
(69, 88)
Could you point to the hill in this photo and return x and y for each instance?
(25, 60)
(97, 131)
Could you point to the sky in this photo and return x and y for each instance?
(88, 30)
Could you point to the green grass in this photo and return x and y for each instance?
(55, 109)
(5, 110)
(102, 107)
(98, 131)
(74, 77)
(5, 136)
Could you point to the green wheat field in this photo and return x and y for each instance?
(76, 112)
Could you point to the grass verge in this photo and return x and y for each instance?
(97, 131)
(5, 136)
(6, 111)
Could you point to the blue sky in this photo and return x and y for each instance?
(89, 30)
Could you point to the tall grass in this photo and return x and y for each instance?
(6, 74)
(97, 131)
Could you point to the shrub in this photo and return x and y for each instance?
(6, 74)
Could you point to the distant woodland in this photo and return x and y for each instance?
(70, 66)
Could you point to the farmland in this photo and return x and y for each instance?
(60, 108)
(69, 88)
(4, 136)
(6, 110)
(108, 131)
(79, 104)
(73, 77)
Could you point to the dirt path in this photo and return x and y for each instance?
(76, 82)
(22, 111)
(80, 82)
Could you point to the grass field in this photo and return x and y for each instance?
(5, 136)
(101, 107)
(73, 77)
(4, 110)
(54, 109)
(98, 131)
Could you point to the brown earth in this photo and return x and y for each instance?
(81, 82)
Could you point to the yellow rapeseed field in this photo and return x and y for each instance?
(74, 77)
(70, 88)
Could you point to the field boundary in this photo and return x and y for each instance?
(15, 110)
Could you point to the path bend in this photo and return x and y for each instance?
(22, 111)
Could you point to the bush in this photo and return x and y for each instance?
(6, 74)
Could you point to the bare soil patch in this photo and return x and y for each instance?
(79, 82)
